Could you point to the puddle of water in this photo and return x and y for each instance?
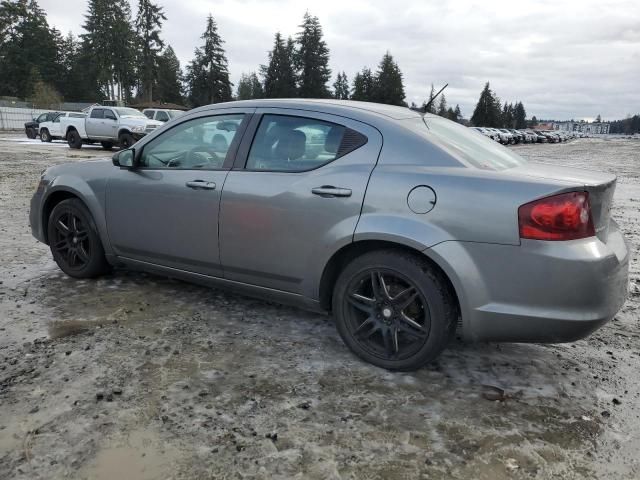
(138, 456)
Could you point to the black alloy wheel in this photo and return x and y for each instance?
(74, 240)
(388, 316)
(394, 309)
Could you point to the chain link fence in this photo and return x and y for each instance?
(14, 113)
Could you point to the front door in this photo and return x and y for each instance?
(297, 193)
(165, 212)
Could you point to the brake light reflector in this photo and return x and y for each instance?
(566, 216)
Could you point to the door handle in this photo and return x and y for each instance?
(201, 184)
(331, 191)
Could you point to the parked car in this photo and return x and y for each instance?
(404, 226)
(529, 136)
(548, 136)
(485, 132)
(50, 130)
(161, 114)
(32, 128)
(510, 138)
(500, 136)
(109, 126)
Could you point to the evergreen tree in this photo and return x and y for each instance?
(457, 114)
(29, 49)
(168, 86)
(442, 106)
(534, 121)
(388, 86)
(341, 87)
(109, 45)
(428, 106)
(312, 60)
(249, 87)
(363, 86)
(487, 112)
(508, 116)
(598, 119)
(279, 75)
(148, 24)
(520, 116)
(208, 73)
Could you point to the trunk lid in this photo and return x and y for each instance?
(600, 186)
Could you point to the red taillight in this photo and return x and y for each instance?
(561, 217)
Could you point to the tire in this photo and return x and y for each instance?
(107, 145)
(74, 240)
(126, 140)
(31, 133)
(74, 140)
(408, 323)
(45, 136)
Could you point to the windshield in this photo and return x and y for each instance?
(462, 143)
(129, 112)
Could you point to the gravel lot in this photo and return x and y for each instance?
(140, 377)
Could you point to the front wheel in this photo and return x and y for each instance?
(394, 309)
(45, 136)
(107, 145)
(74, 240)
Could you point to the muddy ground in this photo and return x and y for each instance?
(139, 377)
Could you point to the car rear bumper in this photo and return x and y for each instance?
(538, 291)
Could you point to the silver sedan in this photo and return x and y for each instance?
(406, 227)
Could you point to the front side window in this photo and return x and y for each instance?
(97, 113)
(294, 144)
(108, 114)
(162, 117)
(149, 114)
(201, 143)
(42, 118)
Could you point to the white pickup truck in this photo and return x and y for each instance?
(107, 125)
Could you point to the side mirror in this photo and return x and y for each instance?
(124, 158)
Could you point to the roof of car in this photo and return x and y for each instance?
(327, 105)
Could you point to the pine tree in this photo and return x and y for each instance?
(442, 106)
(388, 86)
(487, 112)
(428, 106)
(363, 86)
(457, 114)
(249, 87)
(208, 74)
(520, 116)
(148, 24)
(109, 46)
(312, 60)
(29, 49)
(279, 75)
(341, 87)
(598, 119)
(533, 122)
(168, 86)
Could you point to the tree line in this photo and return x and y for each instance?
(489, 112)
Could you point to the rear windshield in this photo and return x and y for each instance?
(465, 144)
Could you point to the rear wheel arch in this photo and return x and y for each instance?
(340, 259)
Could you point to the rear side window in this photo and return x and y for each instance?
(463, 144)
(296, 144)
(97, 113)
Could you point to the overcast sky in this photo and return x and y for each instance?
(563, 60)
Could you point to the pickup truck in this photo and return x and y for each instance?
(50, 130)
(109, 126)
(32, 128)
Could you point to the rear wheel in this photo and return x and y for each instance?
(126, 140)
(74, 240)
(394, 310)
(31, 132)
(107, 145)
(74, 140)
(45, 136)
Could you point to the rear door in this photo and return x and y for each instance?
(166, 211)
(295, 193)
